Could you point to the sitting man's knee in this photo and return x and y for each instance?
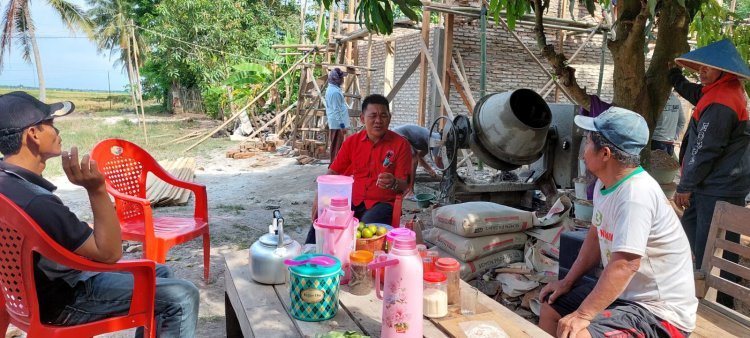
(163, 271)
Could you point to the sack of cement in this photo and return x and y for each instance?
(475, 219)
(475, 268)
(515, 285)
(469, 249)
(544, 268)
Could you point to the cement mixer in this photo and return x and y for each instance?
(516, 132)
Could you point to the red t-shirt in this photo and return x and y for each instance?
(364, 160)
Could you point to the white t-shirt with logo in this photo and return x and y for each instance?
(635, 216)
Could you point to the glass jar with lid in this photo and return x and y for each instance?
(435, 295)
(360, 281)
(451, 268)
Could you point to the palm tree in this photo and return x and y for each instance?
(17, 22)
(112, 20)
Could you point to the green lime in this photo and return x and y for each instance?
(361, 226)
(373, 228)
(381, 231)
(367, 233)
(359, 234)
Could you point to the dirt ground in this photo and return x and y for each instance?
(241, 197)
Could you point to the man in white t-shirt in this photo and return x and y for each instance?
(647, 287)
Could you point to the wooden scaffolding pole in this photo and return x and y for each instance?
(447, 57)
(421, 111)
(237, 114)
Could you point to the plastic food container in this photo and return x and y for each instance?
(450, 267)
(360, 278)
(435, 295)
(314, 289)
(330, 186)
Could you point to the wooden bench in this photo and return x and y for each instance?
(257, 310)
(715, 320)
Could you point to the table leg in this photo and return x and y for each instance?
(232, 324)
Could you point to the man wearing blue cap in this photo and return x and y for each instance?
(28, 138)
(647, 287)
(715, 156)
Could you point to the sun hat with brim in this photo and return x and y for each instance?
(19, 110)
(625, 129)
(721, 55)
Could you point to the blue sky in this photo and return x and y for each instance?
(69, 60)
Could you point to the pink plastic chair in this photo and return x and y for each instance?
(125, 167)
(20, 237)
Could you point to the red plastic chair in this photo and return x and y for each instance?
(396, 216)
(125, 167)
(20, 237)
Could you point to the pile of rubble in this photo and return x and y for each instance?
(251, 148)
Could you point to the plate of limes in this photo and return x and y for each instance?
(370, 230)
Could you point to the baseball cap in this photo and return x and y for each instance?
(19, 110)
(626, 129)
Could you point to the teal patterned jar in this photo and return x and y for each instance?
(314, 289)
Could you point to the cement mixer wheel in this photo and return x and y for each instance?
(446, 147)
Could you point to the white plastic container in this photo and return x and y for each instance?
(330, 186)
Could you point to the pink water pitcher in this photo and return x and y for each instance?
(402, 294)
(335, 229)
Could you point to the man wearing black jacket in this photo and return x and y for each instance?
(715, 156)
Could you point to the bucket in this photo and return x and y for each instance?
(584, 210)
(336, 239)
(581, 187)
(330, 186)
(314, 290)
(424, 200)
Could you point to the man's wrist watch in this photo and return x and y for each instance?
(394, 186)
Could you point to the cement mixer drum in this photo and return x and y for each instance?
(510, 129)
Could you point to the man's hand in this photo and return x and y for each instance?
(572, 324)
(682, 199)
(554, 290)
(386, 181)
(85, 174)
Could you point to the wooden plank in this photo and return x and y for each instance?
(274, 119)
(341, 322)
(404, 77)
(257, 97)
(367, 312)
(464, 86)
(734, 268)
(710, 323)
(259, 310)
(735, 290)
(739, 249)
(421, 111)
(461, 92)
(447, 57)
(388, 68)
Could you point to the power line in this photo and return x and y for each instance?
(208, 48)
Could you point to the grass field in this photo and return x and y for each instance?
(98, 103)
(90, 125)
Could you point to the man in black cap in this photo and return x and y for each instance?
(28, 138)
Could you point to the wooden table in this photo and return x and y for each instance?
(257, 310)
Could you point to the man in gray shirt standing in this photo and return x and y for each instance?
(669, 126)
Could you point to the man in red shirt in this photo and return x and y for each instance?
(378, 159)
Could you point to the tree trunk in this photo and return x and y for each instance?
(37, 57)
(635, 88)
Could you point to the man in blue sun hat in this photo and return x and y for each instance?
(715, 156)
(647, 287)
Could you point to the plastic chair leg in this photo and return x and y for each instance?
(206, 255)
